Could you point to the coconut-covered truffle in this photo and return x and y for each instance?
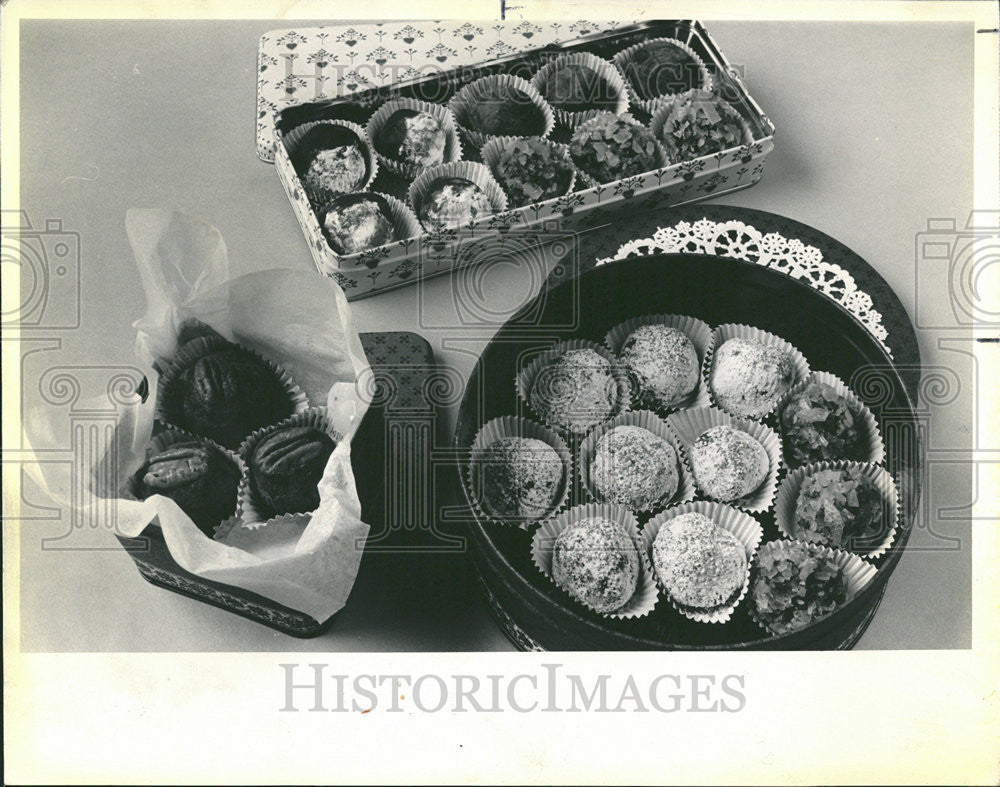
(197, 476)
(700, 125)
(608, 147)
(412, 136)
(285, 467)
(355, 222)
(453, 202)
(533, 170)
(701, 565)
(819, 425)
(335, 171)
(503, 110)
(728, 463)
(795, 585)
(634, 467)
(840, 508)
(596, 562)
(664, 363)
(224, 393)
(661, 68)
(521, 478)
(749, 378)
(576, 391)
(574, 87)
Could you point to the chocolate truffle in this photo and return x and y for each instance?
(355, 222)
(197, 476)
(820, 425)
(574, 87)
(412, 136)
(634, 467)
(503, 110)
(225, 394)
(840, 508)
(701, 565)
(661, 68)
(522, 478)
(608, 147)
(334, 171)
(596, 562)
(664, 363)
(728, 463)
(576, 391)
(451, 203)
(285, 467)
(701, 125)
(532, 170)
(749, 378)
(795, 585)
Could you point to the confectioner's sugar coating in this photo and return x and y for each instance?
(521, 478)
(728, 463)
(700, 564)
(664, 362)
(634, 467)
(595, 561)
(575, 391)
(749, 378)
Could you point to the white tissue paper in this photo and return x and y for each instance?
(296, 319)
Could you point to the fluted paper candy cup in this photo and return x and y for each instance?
(409, 170)
(618, 91)
(788, 494)
(506, 427)
(621, 59)
(479, 174)
(530, 373)
(857, 573)
(724, 333)
(493, 150)
(252, 507)
(644, 419)
(404, 222)
(671, 111)
(644, 598)
(745, 528)
(872, 449)
(696, 330)
(689, 424)
(480, 90)
(303, 142)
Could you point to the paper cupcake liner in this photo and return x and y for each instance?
(652, 423)
(525, 380)
(603, 68)
(267, 540)
(470, 170)
(661, 155)
(788, 494)
(664, 114)
(747, 529)
(403, 221)
(512, 426)
(407, 169)
(874, 448)
(298, 146)
(724, 333)
(689, 424)
(857, 572)
(493, 149)
(189, 353)
(252, 508)
(696, 330)
(474, 91)
(543, 543)
(649, 104)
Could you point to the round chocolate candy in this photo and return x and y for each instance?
(286, 466)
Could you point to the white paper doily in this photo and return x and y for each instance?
(744, 242)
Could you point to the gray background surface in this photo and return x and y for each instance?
(873, 139)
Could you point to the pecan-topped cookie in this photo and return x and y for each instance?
(286, 465)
